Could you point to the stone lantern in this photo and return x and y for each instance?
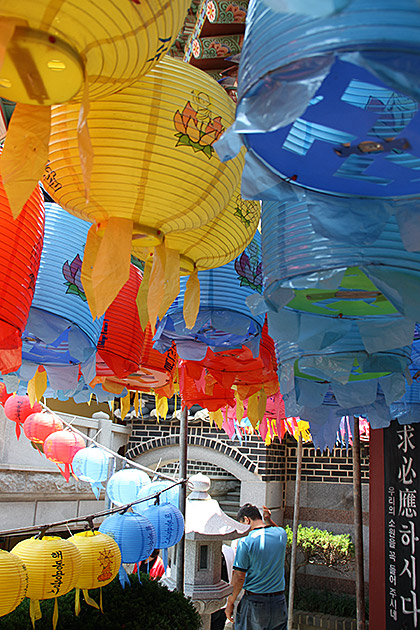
(207, 527)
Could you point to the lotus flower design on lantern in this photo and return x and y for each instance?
(196, 128)
(245, 211)
(249, 268)
(72, 274)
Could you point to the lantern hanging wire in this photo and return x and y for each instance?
(42, 529)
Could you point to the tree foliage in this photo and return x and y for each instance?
(322, 548)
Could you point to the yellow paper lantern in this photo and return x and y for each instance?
(52, 44)
(155, 172)
(13, 582)
(219, 241)
(53, 51)
(101, 561)
(53, 566)
(209, 246)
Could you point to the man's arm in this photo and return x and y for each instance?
(267, 517)
(238, 579)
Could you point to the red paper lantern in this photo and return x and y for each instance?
(20, 254)
(18, 408)
(204, 390)
(60, 447)
(38, 426)
(3, 394)
(119, 345)
(238, 367)
(154, 370)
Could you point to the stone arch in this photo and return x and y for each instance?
(199, 448)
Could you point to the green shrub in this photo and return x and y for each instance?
(320, 547)
(327, 602)
(146, 606)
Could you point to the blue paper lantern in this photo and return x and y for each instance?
(224, 320)
(406, 410)
(125, 485)
(317, 287)
(60, 333)
(135, 536)
(330, 102)
(169, 525)
(167, 496)
(92, 465)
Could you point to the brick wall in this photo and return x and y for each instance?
(253, 454)
(334, 467)
(276, 462)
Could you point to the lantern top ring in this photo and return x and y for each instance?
(186, 265)
(145, 236)
(40, 69)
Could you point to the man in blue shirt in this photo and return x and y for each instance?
(259, 569)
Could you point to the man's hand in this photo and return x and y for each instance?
(266, 513)
(267, 517)
(229, 609)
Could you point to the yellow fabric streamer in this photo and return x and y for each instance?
(304, 429)
(156, 284)
(239, 407)
(25, 153)
(253, 403)
(191, 300)
(111, 268)
(268, 436)
(77, 602)
(37, 386)
(217, 417)
(89, 600)
(171, 281)
(141, 299)
(93, 241)
(55, 614)
(125, 405)
(34, 611)
(262, 404)
(7, 28)
(161, 407)
(100, 600)
(84, 141)
(136, 404)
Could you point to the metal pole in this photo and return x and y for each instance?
(358, 530)
(295, 530)
(183, 459)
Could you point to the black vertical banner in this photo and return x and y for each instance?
(402, 526)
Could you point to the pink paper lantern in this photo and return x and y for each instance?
(38, 426)
(18, 408)
(60, 447)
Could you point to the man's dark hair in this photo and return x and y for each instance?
(249, 510)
